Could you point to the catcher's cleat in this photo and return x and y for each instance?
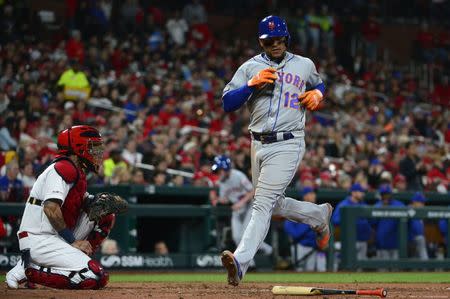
(323, 233)
(106, 203)
(233, 268)
(12, 281)
(30, 285)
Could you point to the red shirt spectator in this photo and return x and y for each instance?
(371, 29)
(168, 112)
(201, 36)
(3, 231)
(425, 37)
(441, 93)
(75, 48)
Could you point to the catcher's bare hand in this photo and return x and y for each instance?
(83, 245)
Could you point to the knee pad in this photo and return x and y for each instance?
(98, 282)
(102, 275)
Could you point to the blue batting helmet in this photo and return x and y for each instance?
(221, 162)
(273, 26)
(385, 189)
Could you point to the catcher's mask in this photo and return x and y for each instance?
(85, 142)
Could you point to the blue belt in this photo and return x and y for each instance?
(272, 137)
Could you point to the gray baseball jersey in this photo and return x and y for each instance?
(236, 186)
(275, 108)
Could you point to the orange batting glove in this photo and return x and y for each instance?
(262, 78)
(311, 99)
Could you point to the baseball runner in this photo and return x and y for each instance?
(235, 188)
(62, 225)
(273, 86)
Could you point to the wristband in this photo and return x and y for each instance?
(67, 235)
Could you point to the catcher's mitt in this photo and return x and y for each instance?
(105, 203)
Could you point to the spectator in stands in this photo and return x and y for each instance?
(201, 36)
(7, 140)
(75, 47)
(177, 28)
(128, 13)
(130, 154)
(300, 29)
(110, 247)
(399, 183)
(416, 231)
(121, 175)
(27, 175)
(160, 178)
(313, 23)
(114, 161)
(363, 229)
(4, 102)
(138, 177)
(3, 231)
(386, 236)
(425, 40)
(371, 33)
(304, 253)
(374, 174)
(194, 12)
(412, 168)
(11, 187)
(75, 83)
(161, 248)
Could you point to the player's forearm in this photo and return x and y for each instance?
(234, 99)
(248, 197)
(54, 214)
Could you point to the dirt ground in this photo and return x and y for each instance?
(222, 291)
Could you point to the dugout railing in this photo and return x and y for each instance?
(349, 216)
(193, 219)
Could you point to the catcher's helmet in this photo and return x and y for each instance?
(273, 26)
(83, 141)
(221, 162)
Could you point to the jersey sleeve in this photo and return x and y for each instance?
(55, 186)
(222, 190)
(239, 79)
(246, 184)
(314, 77)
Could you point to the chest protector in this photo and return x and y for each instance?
(73, 204)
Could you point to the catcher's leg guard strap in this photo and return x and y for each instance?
(101, 280)
(93, 277)
(47, 278)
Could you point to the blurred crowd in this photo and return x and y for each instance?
(152, 85)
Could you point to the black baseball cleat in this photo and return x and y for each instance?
(233, 268)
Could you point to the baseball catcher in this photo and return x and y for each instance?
(62, 225)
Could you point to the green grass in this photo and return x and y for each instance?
(400, 277)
